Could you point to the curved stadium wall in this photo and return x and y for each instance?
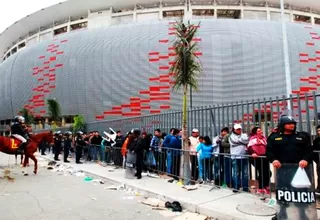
(123, 71)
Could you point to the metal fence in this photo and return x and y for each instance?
(210, 119)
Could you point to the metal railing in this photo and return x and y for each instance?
(209, 120)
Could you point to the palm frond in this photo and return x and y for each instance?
(78, 123)
(187, 67)
(29, 119)
(54, 109)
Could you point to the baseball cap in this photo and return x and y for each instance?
(237, 126)
(195, 130)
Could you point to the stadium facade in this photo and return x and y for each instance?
(110, 59)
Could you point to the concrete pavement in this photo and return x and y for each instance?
(221, 204)
(51, 196)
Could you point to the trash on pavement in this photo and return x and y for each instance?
(111, 187)
(174, 206)
(190, 187)
(52, 163)
(153, 202)
(88, 179)
(93, 198)
(191, 216)
(49, 168)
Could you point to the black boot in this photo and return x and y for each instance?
(20, 150)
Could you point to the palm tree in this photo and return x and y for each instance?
(29, 119)
(54, 111)
(186, 70)
(78, 123)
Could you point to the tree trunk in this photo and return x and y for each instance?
(185, 157)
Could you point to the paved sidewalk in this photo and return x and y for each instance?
(219, 203)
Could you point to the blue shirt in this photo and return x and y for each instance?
(155, 142)
(205, 150)
(166, 142)
(175, 144)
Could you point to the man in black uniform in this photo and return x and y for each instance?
(119, 140)
(80, 144)
(57, 145)
(66, 146)
(137, 148)
(288, 147)
(18, 131)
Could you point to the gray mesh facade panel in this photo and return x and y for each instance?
(103, 68)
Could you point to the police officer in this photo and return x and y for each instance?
(18, 131)
(137, 148)
(66, 146)
(80, 144)
(287, 146)
(57, 145)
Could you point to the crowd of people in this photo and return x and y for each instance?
(224, 160)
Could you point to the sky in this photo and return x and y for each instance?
(14, 10)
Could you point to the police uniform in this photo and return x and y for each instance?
(80, 143)
(19, 132)
(288, 149)
(57, 145)
(66, 146)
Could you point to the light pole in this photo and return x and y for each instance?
(286, 54)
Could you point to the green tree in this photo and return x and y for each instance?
(186, 71)
(54, 111)
(29, 119)
(79, 123)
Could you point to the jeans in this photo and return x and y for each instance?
(227, 164)
(240, 174)
(102, 154)
(169, 162)
(94, 150)
(205, 172)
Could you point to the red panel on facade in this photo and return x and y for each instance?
(52, 87)
(312, 69)
(172, 29)
(303, 54)
(113, 113)
(165, 80)
(318, 66)
(163, 41)
(63, 41)
(155, 111)
(166, 76)
(43, 111)
(46, 67)
(198, 53)
(134, 99)
(160, 98)
(310, 44)
(304, 80)
(313, 59)
(131, 114)
(52, 75)
(153, 53)
(99, 117)
(116, 108)
(153, 79)
(153, 60)
(160, 94)
(144, 92)
(196, 39)
(125, 106)
(164, 87)
(145, 107)
(52, 70)
(60, 52)
(171, 48)
(172, 54)
(42, 57)
(59, 65)
(53, 58)
(136, 104)
(313, 77)
(154, 88)
(165, 107)
(304, 61)
(164, 57)
(172, 63)
(164, 67)
(145, 100)
(40, 79)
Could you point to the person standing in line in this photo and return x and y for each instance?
(80, 144)
(193, 143)
(66, 146)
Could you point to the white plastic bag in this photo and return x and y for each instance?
(301, 179)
